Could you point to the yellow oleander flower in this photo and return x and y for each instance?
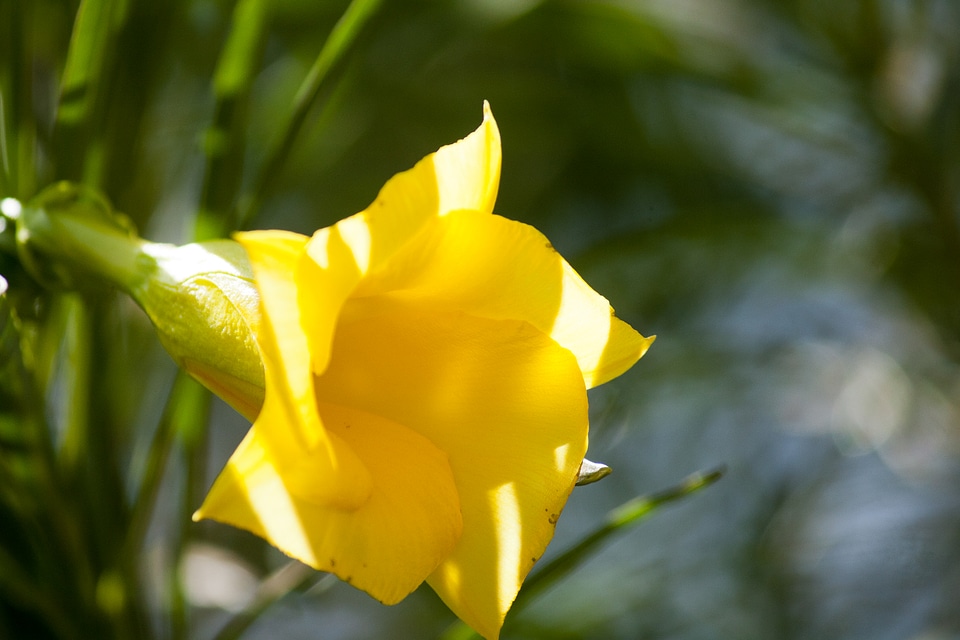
(425, 412)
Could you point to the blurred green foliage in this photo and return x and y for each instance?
(773, 187)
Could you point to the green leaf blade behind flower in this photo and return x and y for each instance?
(83, 86)
(224, 140)
(344, 33)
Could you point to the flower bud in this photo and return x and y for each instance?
(202, 300)
(200, 297)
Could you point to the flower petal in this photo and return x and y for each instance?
(463, 175)
(388, 546)
(508, 406)
(497, 268)
(468, 172)
(289, 423)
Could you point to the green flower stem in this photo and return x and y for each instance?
(103, 251)
(74, 226)
(200, 297)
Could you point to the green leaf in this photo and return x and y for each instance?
(240, 59)
(224, 140)
(86, 60)
(82, 84)
(341, 38)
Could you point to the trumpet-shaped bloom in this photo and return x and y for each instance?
(425, 411)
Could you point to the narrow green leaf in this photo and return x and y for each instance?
(9, 340)
(629, 513)
(224, 141)
(8, 179)
(624, 516)
(82, 87)
(181, 399)
(77, 369)
(341, 38)
(13, 95)
(86, 60)
(190, 415)
(241, 54)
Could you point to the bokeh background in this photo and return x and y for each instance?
(770, 187)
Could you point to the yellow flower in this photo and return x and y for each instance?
(426, 366)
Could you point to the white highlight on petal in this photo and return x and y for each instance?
(356, 233)
(506, 508)
(573, 315)
(321, 238)
(560, 456)
(284, 522)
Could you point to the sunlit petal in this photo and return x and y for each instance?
(463, 175)
(426, 365)
(387, 547)
(289, 425)
(508, 406)
(493, 267)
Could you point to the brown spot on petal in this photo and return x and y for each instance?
(553, 518)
